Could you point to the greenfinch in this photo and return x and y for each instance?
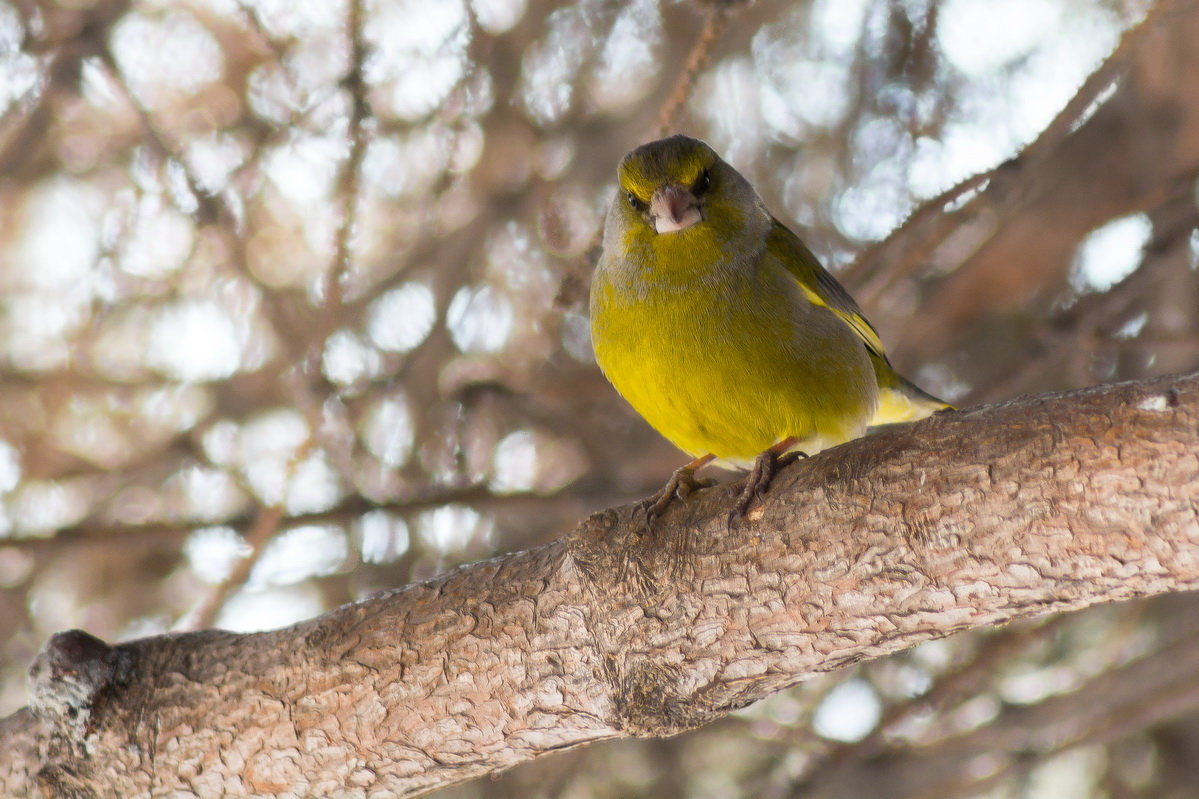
(723, 331)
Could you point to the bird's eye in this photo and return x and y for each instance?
(636, 203)
(702, 183)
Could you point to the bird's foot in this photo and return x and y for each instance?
(766, 466)
(681, 484)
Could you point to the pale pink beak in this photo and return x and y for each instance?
(673, 208)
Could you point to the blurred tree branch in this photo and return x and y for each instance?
(1086, 168)
(1144, 693)
(967, 520)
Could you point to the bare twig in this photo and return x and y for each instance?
(333, 285)
(263, 529)
(701, 51)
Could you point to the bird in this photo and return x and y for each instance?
(723, 331)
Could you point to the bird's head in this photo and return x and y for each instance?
(676, 196)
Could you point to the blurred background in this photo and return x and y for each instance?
(293, 310)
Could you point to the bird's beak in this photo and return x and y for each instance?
(673, 208)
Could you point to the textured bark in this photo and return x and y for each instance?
(965, 520)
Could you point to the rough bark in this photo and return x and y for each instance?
(965, 520)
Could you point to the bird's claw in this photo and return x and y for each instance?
(681, 484)
(766, 466)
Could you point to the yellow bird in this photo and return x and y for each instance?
(723, 331)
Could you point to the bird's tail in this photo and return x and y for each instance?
(901, 400)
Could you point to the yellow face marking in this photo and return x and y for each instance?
(643, 171)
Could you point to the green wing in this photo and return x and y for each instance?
(820, 287)
(900, 400)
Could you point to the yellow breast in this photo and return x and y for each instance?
(730, 364)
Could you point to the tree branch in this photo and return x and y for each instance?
(965, 520)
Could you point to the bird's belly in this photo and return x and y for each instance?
(732, 384)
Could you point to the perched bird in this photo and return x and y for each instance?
(723, 331)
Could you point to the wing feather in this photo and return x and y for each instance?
(900, 400)
(820, 287)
